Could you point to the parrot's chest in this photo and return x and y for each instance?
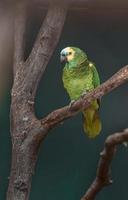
(76, 84)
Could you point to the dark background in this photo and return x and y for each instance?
(68, 159)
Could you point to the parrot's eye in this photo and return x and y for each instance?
(70, 53)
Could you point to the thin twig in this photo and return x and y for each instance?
(103, 171)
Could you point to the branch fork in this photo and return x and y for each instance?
(26, 130)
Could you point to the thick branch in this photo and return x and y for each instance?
(66, 112)
(23, 122)
(45, 45)
(103, 172)
(19, 34)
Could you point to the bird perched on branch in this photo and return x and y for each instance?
(79, 77)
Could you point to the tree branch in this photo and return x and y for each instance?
(66, 112)
(45, 44)
(19, 34)
(27, 131)
(103, 171)
(24, 125)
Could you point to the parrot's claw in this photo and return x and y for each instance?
(84, 93)
(71, 103)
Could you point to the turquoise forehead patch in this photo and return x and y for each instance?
(64, 51)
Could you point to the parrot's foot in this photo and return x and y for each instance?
(84, 93)
(71, 103)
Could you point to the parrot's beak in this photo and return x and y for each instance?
(63, 59)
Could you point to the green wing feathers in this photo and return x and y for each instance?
(91, 120)
(96, 79)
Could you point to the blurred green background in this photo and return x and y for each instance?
(68, 159)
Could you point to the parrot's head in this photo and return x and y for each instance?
(73, 56)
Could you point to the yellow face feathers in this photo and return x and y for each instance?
(70, 54)
(67, 53)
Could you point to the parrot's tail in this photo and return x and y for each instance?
(92, 123)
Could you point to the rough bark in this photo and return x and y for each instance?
(27, 131)
(103, 176)
(26, 77)
(19, 36)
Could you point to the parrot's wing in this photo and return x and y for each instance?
(96, 80)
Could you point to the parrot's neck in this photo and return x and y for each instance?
(76, 67)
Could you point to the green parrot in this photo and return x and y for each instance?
(79, 77)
